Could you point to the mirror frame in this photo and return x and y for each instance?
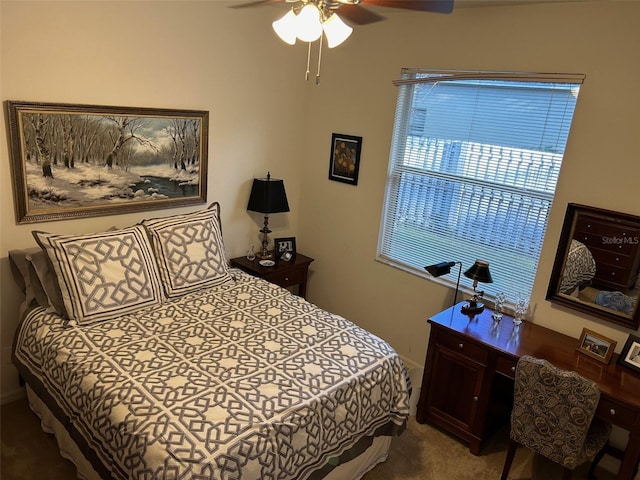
(573, 211)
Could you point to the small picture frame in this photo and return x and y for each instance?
(596, 346)
(630, 355)
(285, 248)
(344, 161)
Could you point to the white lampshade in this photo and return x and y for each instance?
(308, 23)
(286, 28)
(336, 30)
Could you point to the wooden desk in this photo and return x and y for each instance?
(469, 358)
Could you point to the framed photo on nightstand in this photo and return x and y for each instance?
(285, 248)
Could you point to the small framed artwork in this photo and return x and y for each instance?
(596, 346)
(344, 162)
(630, 355)
(285, 248)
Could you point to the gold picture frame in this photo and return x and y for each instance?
(596, 346)
(72, 161)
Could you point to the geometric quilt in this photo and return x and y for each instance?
(242, 380)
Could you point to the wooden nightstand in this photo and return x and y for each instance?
(285, 274)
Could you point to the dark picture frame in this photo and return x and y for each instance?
(344, 161)
(285, 248)
(567, 264)
(596, 346)
(71, 161)
(630, 354)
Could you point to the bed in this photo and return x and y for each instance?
(150, 358)
(579, 268)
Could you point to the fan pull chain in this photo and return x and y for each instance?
(306, 75)
(319, 60)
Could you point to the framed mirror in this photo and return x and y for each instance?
(597, 265)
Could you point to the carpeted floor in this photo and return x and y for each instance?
(421, 453)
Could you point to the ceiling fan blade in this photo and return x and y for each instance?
(255, 3)
(358, 15)
(436, 6)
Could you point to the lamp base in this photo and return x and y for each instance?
(265, 255)
(472, 308)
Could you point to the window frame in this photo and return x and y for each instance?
(405, 124)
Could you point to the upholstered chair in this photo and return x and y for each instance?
(553, 414)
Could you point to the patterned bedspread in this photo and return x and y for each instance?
(579, 268)
(238, 381)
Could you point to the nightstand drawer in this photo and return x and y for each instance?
(284, 274)
(288, 278)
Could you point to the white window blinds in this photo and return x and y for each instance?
(473, 168)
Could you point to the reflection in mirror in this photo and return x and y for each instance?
(597, 265)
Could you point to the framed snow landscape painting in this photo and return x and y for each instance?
(85, 160)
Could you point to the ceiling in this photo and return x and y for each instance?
(496, 3)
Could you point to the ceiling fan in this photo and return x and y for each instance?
(354, 10)
(307, 20)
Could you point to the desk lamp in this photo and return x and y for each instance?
(267, 196)
(478, 272)
(443, 268)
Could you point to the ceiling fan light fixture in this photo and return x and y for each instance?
(336, 30)
(308, 23)
(286, 27)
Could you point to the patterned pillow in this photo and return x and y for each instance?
(103, 275)
(189, 250)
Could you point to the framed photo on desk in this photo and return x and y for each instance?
(630, 355)
(596, 345)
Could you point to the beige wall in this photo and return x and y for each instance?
(184, 55)
(339, 223)
(202, 55)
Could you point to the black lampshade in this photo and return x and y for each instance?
(268, 196)
(440, 269)
(479, 272)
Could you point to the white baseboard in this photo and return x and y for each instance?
(13, 395)
(415, 372)
(410, 364)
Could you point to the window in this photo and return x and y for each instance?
(473, 168)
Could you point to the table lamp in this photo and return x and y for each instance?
(478, 272)
(267, 196)
(443, 268)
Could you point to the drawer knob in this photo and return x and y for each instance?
(475, 399)
(286, 279)
(460, 346)
(612, 411)
(513, 369)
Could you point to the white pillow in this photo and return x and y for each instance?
(189, 250)
(103, 275)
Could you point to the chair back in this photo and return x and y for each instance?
(552, 410)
